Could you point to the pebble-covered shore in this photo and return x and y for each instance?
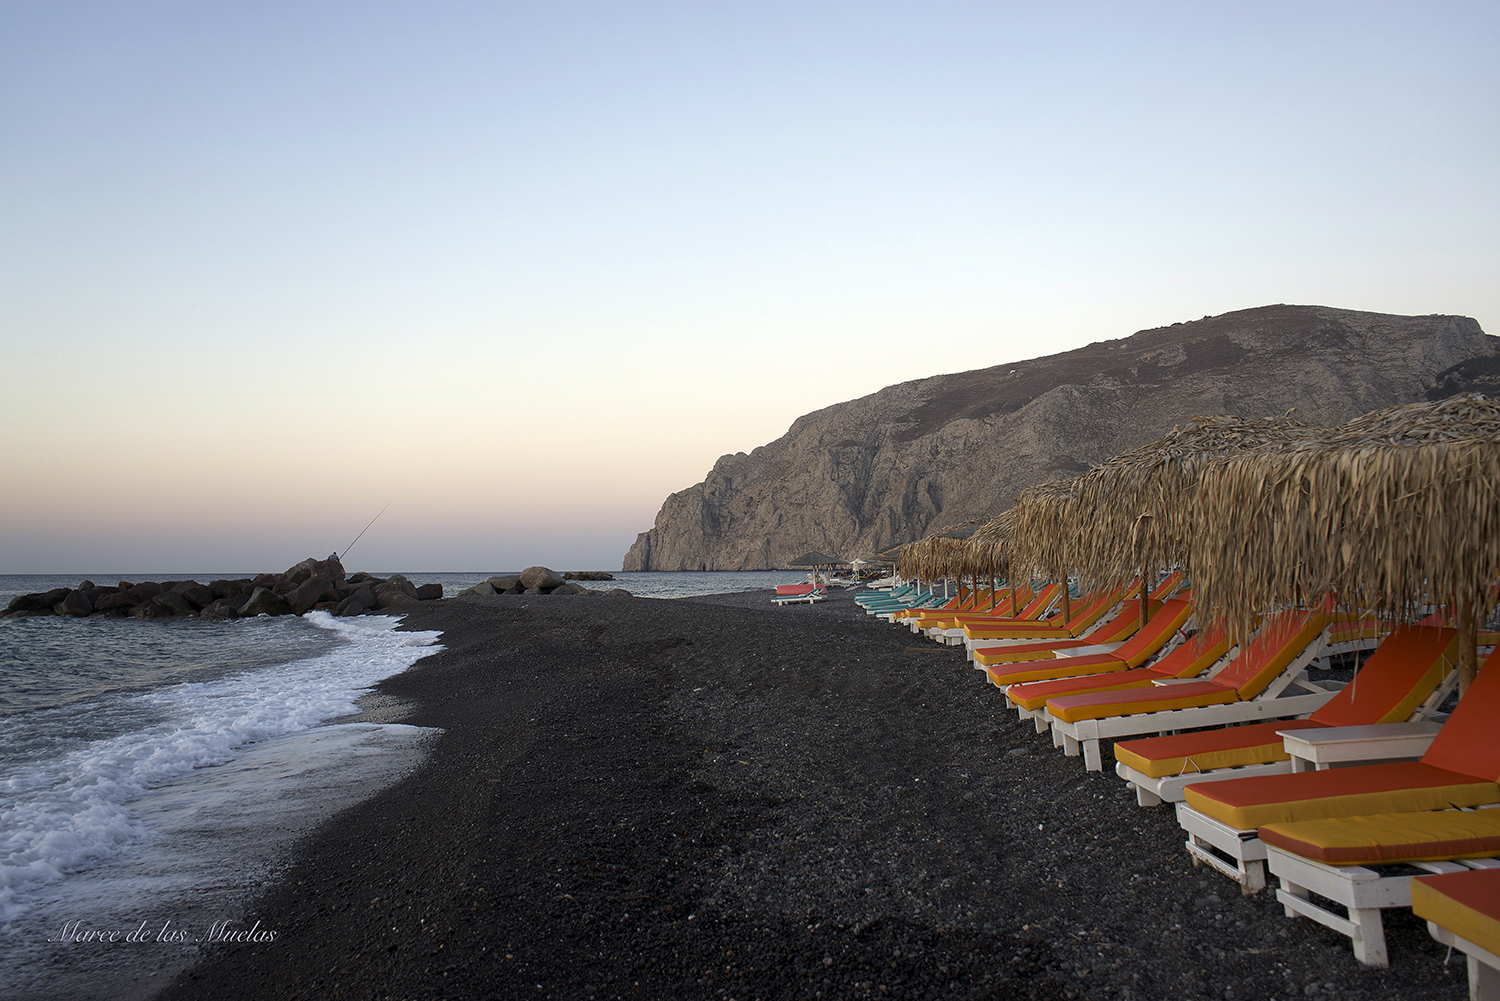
(717, 798)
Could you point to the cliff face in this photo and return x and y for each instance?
(855, 478)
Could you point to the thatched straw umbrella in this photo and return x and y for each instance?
(1391, 511)
(936, 556)
(1134, 509)
(1047, 541)
(988, 551)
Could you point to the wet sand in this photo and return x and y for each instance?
(717, 798)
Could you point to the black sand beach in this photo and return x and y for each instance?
(716, 798)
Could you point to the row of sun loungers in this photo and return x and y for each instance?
(1211, 728)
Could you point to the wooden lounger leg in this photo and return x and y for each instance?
(1069, 744)
(1369, 937)
(1484, 981)
(1351, 887)
(1145, 797)
(1042, 726)
(1092, 757)
(1249, 873)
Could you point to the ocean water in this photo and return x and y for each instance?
(155, 775)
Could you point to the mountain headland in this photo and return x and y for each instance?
(859, 477)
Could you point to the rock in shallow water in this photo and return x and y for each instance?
(264, 602)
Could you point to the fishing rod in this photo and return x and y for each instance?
(362, 532)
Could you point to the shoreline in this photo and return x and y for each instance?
(713, 797)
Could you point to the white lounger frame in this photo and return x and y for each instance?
(1363, 890)
(1484, 966)
(1152, 790)
(1083, 736)
(1044, 722)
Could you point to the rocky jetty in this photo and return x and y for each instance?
(311, 585)
(543, 580)
(859, 477)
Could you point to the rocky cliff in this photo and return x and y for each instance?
(856, 478)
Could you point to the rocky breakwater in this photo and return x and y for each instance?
(542, 580)
(310, 585)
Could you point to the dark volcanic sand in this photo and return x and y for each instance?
(717, 798)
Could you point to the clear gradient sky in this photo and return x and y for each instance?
(520, 270)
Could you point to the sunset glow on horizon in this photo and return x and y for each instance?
(519, 271)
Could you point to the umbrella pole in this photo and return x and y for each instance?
(1067, 598)
(1013, 612)
(1145, 595)
(1468, 636)
(992, 590)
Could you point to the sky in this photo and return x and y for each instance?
(512, 273)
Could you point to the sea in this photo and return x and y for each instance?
(155, 776)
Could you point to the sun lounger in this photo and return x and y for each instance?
(930, 620)
(950, 629)
(1249, 688)
(964, 601)
(1092, 610)
(804, 598)
(1029, 690)
(1105, 637)
(1461, 768)
(1406, 678)
(1463, 912)
(1365, 865)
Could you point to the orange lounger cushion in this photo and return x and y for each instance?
(1062, 667)
(1231, 747)
(1396, 787)
(1102, 705)
(1382, 838)
(1032, 695)
(1465, 903)
(1389, 687)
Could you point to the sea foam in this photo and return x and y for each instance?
(67, 803)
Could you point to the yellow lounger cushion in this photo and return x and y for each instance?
(1383, 838)
(1206, 750)
(1395, 787)
(1465, 903)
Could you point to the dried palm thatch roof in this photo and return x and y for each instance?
(1046, 541)
(1134, 510)
(1392, 510)
(988, 549)
(936, 555)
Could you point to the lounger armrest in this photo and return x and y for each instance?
(1163, 682)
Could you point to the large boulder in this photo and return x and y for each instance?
(569, 587)
(150, 610)
(145, 590)
(620, 592)
(221, 608)
(330, 568)
(304, 596)
(199, 595)
(541, 578)
(40, 601)
(483, 589)
(174, 603)
(429, 592)
(351, 605)
(120, 601)
(75, 603)
(264, 602)
(510, 584)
